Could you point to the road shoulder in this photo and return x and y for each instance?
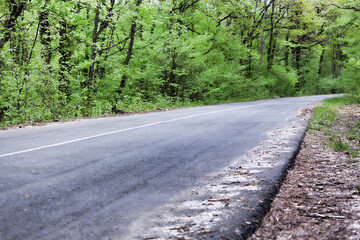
(229, 203)
(320, 198)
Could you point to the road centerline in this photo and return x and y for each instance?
(118, 131)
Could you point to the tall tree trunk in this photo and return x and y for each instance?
(46, 90)
(286, 53)
(64, 61)
(333, 60)
(169, 76)
(262, 40)
(45, 36)
(15, 10)
(99, 27)
(65, 50)
(95, 36)
(297, 55)
(16, 66)
(26, 62)
(338, 57)
(321, 60)
(271, 47)
(249, 70)
(249, 40)
(130, 49)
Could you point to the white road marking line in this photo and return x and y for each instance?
(118, 131)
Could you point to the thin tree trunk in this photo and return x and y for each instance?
(271, 47)
(16, 63)
(249, 62)
(286, 54)
(45, 36)
(99, 27)
(130, 49)
(262, 41)
(26, 62)
(168, 75)
(338, 61)
(95, 36)
(16, 8)
(333, 62)
(321, 61)
(65, 55)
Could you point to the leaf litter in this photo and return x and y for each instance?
(320, 198)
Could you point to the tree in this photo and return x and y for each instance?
(133, 30)
(13, 11)
(63, 59)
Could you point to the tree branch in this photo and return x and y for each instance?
(347, 8)
(114, 45)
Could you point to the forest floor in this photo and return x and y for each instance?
(320, 197)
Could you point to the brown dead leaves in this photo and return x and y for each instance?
(320, 197)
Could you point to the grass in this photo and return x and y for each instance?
(324, 116)
(327, 119)
(339, 146)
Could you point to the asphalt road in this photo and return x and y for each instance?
(121, 177)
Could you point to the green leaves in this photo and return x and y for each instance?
(181, 52)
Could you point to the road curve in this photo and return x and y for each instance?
(126, 177)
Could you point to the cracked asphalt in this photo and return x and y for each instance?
(192, 173)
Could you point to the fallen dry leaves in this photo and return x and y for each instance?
(320, 198)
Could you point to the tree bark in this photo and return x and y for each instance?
(95, 36)
(271, 47)
(169, 76)
(333, 60)
(130, 49)
(262, 40)
(16, 8)
(64, 61)
(347, 8)
(321, 61)
(45, 36)
(338, 61)
(286, 53)
(99, 27)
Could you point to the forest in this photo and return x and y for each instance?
(62, 59)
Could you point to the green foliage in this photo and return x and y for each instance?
(335, 101)
(324, 115)
(65, 59)
(338, 145)
(343, 132)
(354, 161)
(281, 81)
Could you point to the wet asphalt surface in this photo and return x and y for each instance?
(92, 179)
